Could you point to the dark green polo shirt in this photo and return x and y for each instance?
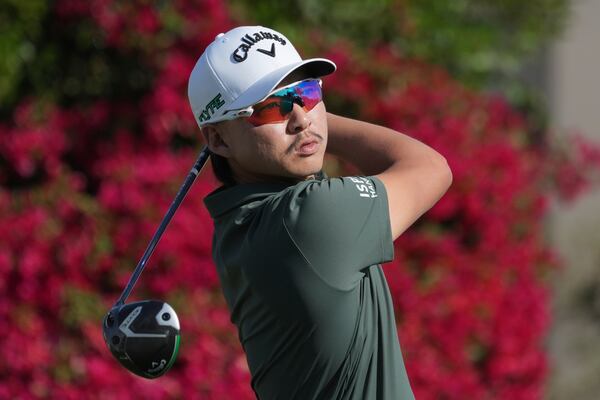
(299, 268)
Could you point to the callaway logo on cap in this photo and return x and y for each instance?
(241, 68)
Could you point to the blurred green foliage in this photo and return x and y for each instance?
(20, 23)
(63, 66)
(80, 305)
(483, 43)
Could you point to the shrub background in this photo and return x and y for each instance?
(97, 136)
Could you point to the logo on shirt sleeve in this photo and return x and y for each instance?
(365, 187)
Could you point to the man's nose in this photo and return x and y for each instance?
(298, 120)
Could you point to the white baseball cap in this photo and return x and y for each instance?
(241, 68)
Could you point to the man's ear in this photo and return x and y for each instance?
(214, 141)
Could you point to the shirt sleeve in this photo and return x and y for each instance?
(341, 226)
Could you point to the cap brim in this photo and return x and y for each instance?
(311, 68)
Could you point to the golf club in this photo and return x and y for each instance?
(144, 336)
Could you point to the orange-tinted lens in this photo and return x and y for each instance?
(267, 111)
(277, 107)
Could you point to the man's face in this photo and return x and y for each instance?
(288, 150)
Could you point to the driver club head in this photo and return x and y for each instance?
(143, 336)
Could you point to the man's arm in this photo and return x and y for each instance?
(415, 176)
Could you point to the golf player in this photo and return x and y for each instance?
(298, 253)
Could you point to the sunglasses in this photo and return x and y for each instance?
(277, 107)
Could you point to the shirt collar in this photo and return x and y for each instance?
(227, 198)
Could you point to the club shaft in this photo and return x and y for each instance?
(189, 180)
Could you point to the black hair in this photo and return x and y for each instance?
(221, 169)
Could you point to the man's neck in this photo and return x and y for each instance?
(254, 178)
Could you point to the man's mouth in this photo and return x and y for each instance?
(307, 147)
